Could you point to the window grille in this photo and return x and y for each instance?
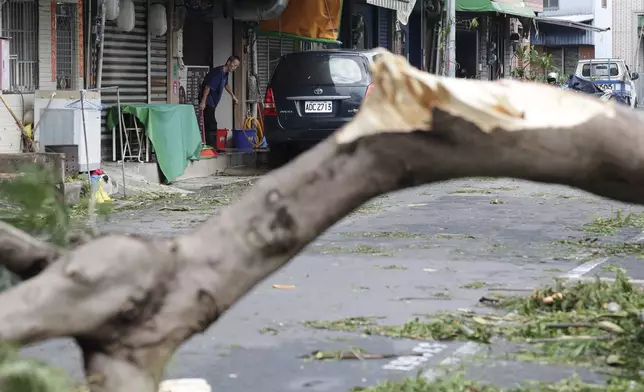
(20, 23)
(66, 43)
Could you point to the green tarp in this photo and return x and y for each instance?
(173, 132)
(494, 6)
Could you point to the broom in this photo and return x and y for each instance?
(206, 150)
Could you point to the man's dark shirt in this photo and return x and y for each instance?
(217, 80)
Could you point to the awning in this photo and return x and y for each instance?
(573, 18)
(515, 9)
(574, 25)
(403, 8)
(312, 20)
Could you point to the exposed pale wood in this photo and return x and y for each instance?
(131, 302)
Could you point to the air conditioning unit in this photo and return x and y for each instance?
(59, 122)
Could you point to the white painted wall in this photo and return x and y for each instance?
(222, 49)
(570, 7)
(625, 29)
(44, 46)
(603, 19)
(9, 131)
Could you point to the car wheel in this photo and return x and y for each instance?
(278, 155)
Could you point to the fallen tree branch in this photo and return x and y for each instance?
(131, 302)
(22, 254)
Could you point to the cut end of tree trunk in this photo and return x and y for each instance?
(404, 98)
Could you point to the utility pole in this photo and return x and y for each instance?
(450, 45)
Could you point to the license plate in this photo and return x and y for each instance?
(318, 107)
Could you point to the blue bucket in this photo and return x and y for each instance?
(241, 140)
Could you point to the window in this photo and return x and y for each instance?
(550, 4)
(65, 45)
(604, 3)
(20, 23)
(310, 68)
(595, 70)
(344, 70)
(359, 39)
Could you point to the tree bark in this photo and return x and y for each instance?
(129, 308)
(22, 254)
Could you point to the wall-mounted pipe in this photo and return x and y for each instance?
(101, 35)
(256, 10)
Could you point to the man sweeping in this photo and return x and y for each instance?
(214, 84)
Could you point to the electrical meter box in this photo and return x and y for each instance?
(5, 64)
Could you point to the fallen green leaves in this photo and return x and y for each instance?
(484, 191)
(456, 236)
(349, 353)
(459, 383)
(480, 285)
(27, 375)
(593, 248)
(593, 324)
(442, 327)
(384, 234)
(610, 225)
(358, 249)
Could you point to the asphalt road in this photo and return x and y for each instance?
(402, 255)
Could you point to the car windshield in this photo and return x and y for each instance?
(320, 69)
(597, 70)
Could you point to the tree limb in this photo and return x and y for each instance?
(131, 302)
(22, 254)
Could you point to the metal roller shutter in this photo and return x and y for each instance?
(571, 57)
(384, 28)
(557, 58)
(263, 73)
(269, 50)
(463, 21)
(159, 67)
(140, 73)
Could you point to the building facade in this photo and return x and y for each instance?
(573, 30)
(46, 52)
(488, 34)
(628, 20)
(62, 45)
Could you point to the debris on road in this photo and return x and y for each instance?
(269, 331)
(595, 324)
(459, 383)
(284, 286)
(349, 353)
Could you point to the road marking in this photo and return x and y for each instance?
(640, 237)
(638, 282)
(584, 268)
(469, 349)
(407, 363)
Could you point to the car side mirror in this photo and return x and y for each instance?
(635, 76)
